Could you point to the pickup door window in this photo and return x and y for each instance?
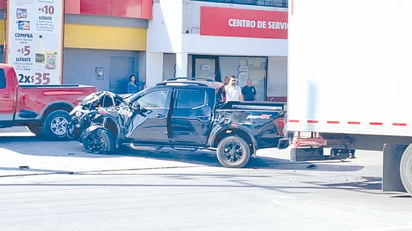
(150, 125)
(191, 117)
(7, 94)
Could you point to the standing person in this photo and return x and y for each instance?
(220, 92)
(227, 80)
(249, 91)
(131, 85)
(233, 91)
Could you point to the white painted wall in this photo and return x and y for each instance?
(164, 30)
(154, 68)
(175, 30)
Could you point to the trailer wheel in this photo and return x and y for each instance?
(98, 141)
(406, 169)
(55, 125)
(233, 152)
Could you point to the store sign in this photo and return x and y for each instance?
(35, 40)
(219, 21)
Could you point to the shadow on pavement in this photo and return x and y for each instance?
(31, 145)
(261, 162)
(246, 181)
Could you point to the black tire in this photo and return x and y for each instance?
(36, 129)
(233, 152)
(405, 169)
(99, 141)
(55, 125)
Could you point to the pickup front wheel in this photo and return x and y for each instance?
(98, 140)
(233, 152)
(55, 124)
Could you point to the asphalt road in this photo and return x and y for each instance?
(56, 186)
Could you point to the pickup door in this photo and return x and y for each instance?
(150, 125)
(191, 118)
(7, 98)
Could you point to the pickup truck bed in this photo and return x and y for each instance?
(253, 116)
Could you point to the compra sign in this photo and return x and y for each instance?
(35, 40)
(218, 21)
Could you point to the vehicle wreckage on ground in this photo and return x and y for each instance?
(182, 115)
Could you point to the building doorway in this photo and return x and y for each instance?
(205, 67)
(120, 69)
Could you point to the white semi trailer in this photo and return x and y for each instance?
(350, 81)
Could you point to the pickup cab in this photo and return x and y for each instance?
(181, 115)
(43, 109)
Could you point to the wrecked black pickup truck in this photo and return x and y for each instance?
(182, 115)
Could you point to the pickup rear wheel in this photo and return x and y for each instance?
(55, 125)
(406, 169)
(99, 140)
(233, 152)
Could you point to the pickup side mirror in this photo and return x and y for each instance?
(136, 107)
(143, 110)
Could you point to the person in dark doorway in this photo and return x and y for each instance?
(131, 85)
(249, 91)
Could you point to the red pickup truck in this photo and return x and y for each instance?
(44, 109)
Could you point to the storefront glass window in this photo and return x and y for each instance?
(211, 67)
(253, 68)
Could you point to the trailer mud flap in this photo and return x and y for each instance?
(306, 154)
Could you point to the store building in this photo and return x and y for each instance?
(108, 40)
(211, 39)
(104, 41)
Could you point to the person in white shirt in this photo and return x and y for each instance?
(233, 91)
